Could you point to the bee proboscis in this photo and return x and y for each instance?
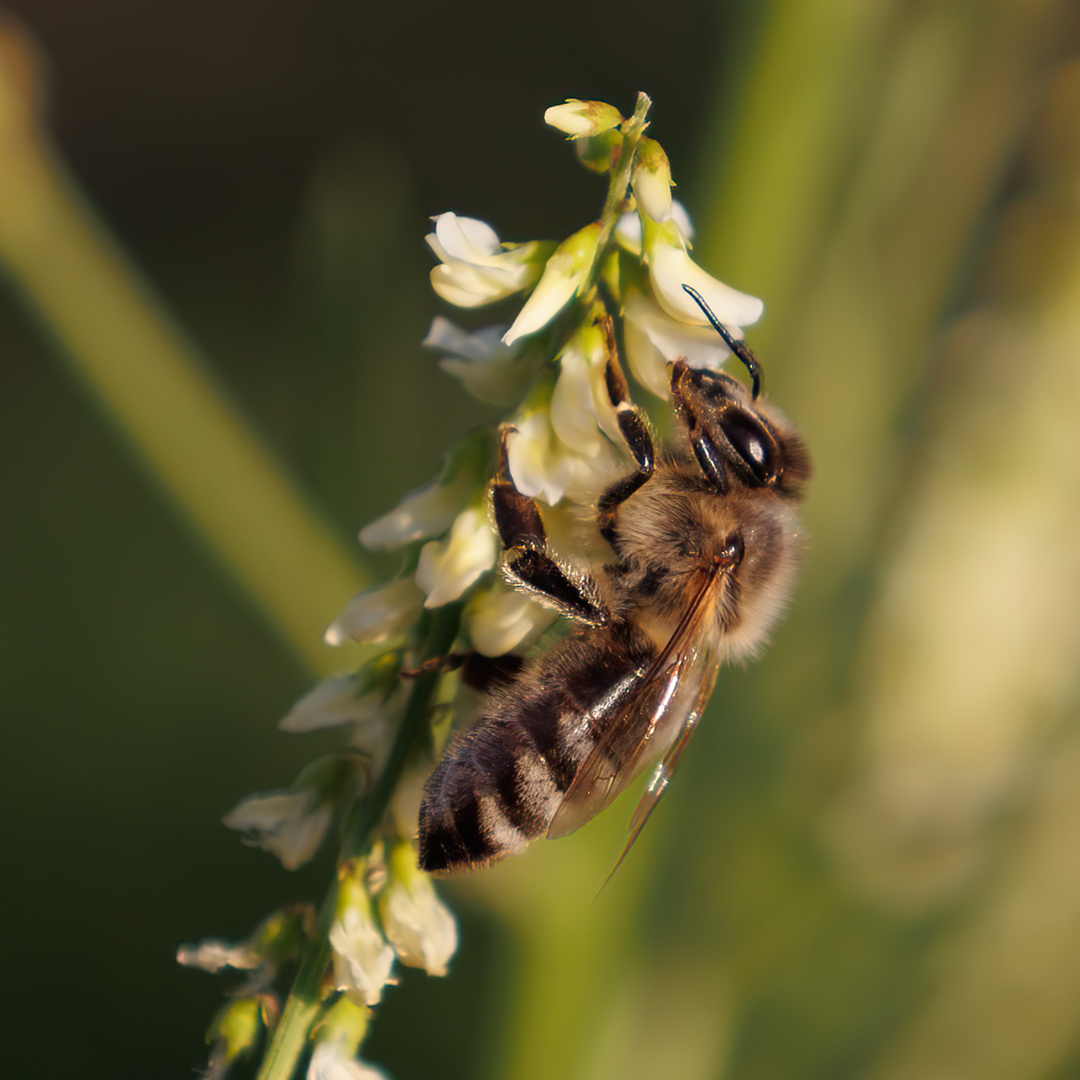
(706, 542)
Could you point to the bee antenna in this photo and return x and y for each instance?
(736, 345)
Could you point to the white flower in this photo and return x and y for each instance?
(502, 619)
(214, 955)
(448, 567)
(577, 118)
(363, 960)
(489, 370)
(563, 276)
(427, 511)
(628, 229)
(377, 614)
(581, 402)
(288, 824)
(346, 699)
(541, 466)
(573, 410)
(670, 268)
(652, 180)
(475, 268)
(654, 339)
(418, 924)
(333, 703)
(332, 1060)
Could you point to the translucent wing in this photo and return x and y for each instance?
(665, 769)
(652, 722)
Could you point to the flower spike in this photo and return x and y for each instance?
(565, 447)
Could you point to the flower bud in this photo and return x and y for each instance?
(651, 180)
(564, 274)
(419, 926)
(236, 1028)
(599, 153)
(577, 118)
(363, 960)
(344, 1023)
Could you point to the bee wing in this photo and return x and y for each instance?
(642, 730)
(661, 777)
(618, 757)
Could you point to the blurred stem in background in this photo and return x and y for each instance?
(154, 386)
(978, 601)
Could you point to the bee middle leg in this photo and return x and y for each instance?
(529, 563)
(635, 433)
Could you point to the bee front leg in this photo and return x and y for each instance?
(529, 564)
(635, 433)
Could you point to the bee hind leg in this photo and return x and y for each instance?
(570, 593)
(485, 672)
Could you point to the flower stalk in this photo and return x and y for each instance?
(305, 1002)
(448, 608)
(633, 130)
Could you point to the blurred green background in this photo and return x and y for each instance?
(870, 864)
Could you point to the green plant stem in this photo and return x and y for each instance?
(368, 813)
(634, 128)
(290, 1036)
(570, 319)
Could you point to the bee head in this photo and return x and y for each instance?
(733, 433)
(730, 436)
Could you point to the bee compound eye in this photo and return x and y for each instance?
(753, 443)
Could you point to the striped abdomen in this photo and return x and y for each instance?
(501, 782)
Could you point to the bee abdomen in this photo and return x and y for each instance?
(501, 783)
(487, 799)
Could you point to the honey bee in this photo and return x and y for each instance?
(706, 542)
